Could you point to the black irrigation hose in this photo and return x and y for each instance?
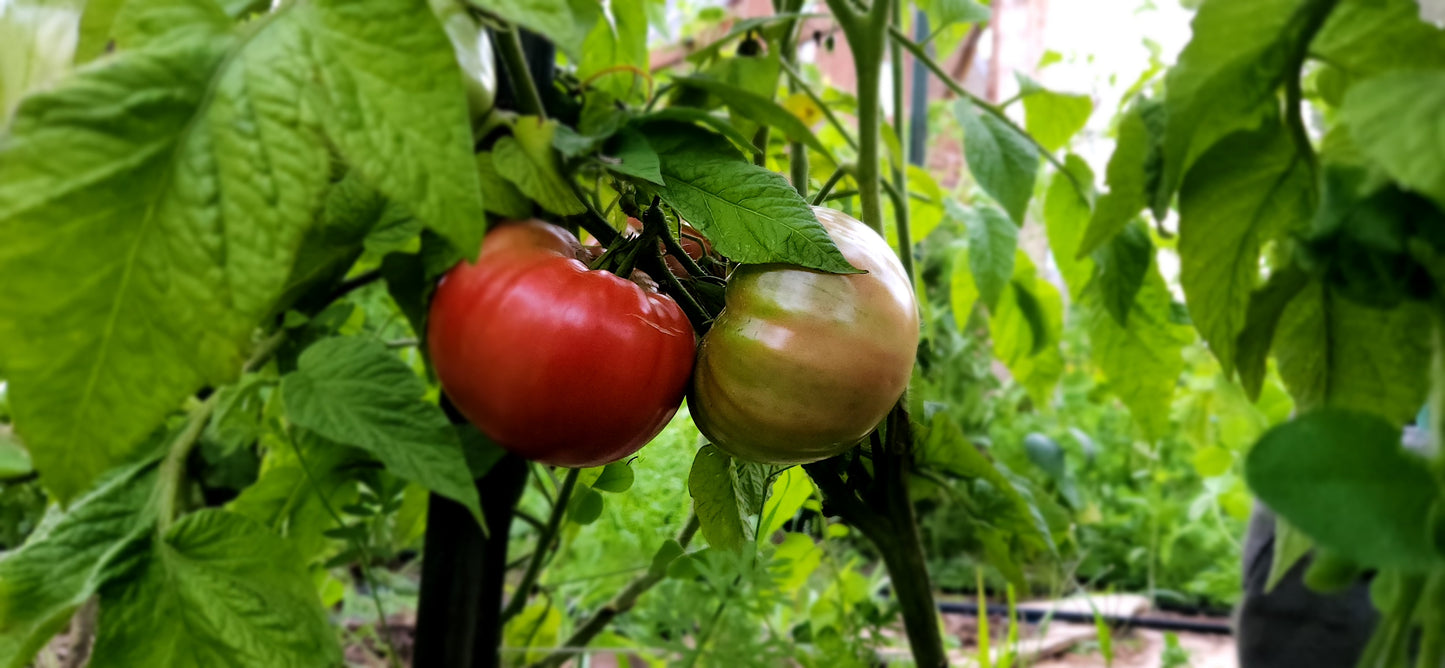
(1034, 616)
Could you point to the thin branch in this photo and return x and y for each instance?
(802, 85)
(351, 284)
(1315, 16)
(529, 518)
(992, 110)
(900, 219)
(544, 547)
(827, 188)
(509, 46)
(173, 468)
(622, 602)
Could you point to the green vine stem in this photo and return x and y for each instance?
(621, 603)
(654, 222)
(509, 46)
(866, 32)
(173, 468)
(760, 142)
(544, 545)
(900, 170)
(788, 50)
(1314, 15)
(900, 220)
(828, 185)
(797, 81)
(917, 51)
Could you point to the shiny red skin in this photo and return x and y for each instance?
(555, 362)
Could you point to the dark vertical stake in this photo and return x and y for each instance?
(918, 98)
(458, 614)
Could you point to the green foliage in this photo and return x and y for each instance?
(992, 239)
(241, 588)
(1343, 478)
(1001, 158)
(1249, 188)
(749, 213)
(353, 392)
(66, 560)
(193, 222)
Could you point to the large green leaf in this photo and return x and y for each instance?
(1000, 157)
(1054, 118)
(59, 567)
(1066, 213)
(181, 210)
(1143, 359)
(147, 23)
(1366, 37)
(95, 24)
(565, 23)
(528, 160)
(725, 493)
(178, 182)
(962, 290)
(1025, 330)
(1241, 193)
(944, 13)
(215, 590)
(291, 496)
(614, 55)
(1343, 478)
(1128, 175)
(1335, 353)
(750, 105)
(629, 154)
(1226, 77)
(355, 392)
(1121, 267)
(750, 214)
(393, 101)
(1262, 316)
(1395, 120)
(992, 240)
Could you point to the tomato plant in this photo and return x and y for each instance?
(800, 365)
(271, 358)
(519, 338)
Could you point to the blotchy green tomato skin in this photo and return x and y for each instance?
(801, 365)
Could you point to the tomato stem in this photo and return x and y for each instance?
(544, 547)
(653, 220)
(509, 47)
(866, 32)
(827, 188)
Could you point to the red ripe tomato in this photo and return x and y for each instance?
(801, 365)
(555, 362)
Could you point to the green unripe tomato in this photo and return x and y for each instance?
(801, 365)
(473, 48)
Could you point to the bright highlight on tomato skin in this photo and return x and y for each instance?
(557, 363)
(801, 365)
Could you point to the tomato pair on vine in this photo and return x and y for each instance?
(571, 366)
